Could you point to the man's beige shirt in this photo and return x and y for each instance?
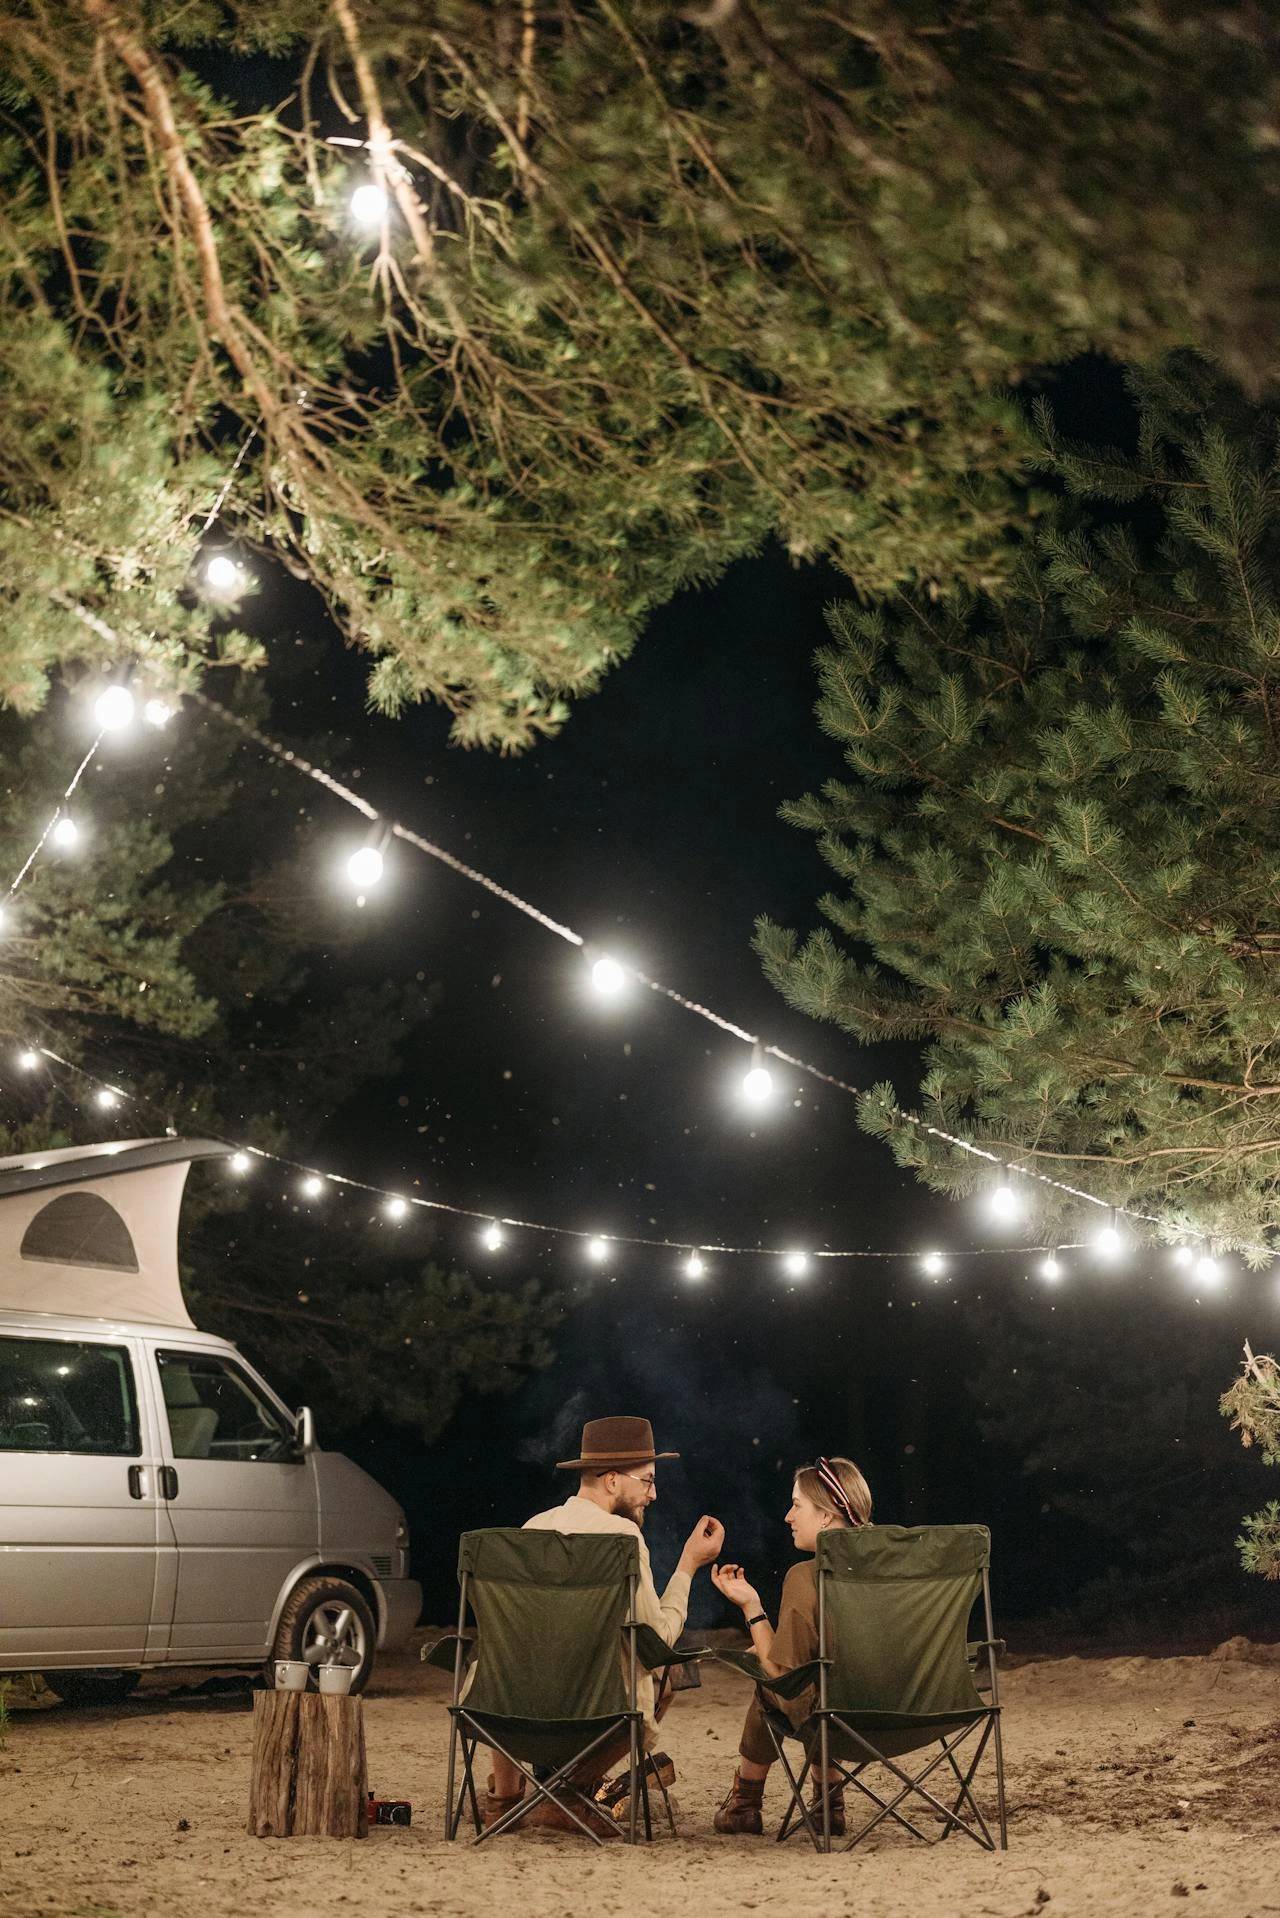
(666, 1614)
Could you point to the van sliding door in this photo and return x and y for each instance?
(79, 1509)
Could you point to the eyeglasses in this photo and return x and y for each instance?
(640, 1479)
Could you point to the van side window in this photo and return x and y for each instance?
(216, 1412)
(65, 1395)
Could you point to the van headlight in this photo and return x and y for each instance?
(402, 1536)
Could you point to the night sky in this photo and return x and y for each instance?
(651, 826)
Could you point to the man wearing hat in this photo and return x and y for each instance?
(616, 1469)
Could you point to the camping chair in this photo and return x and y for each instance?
(553, 1611)
(895, 1680)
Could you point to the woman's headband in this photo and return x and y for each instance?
(827, 1474)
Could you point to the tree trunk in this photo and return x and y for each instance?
(309, 1775)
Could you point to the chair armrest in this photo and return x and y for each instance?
(444, 1653)
(976, 1646)
(654, 1652)
(786, 1684)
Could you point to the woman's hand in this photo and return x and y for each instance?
(732, 1583)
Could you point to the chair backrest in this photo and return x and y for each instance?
(549, 1609)
(895, 1604)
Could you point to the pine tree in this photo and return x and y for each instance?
(205, 1002)
(653, 283)
(1057, 844)
(1252, 1403)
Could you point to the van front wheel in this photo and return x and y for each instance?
(326, 1620)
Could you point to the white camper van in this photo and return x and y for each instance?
(159, 1505)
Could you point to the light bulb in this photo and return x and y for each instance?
(28, 1060)
(1208, 1271)
(1109, 1242)
(757, 1084)
(157, 712)
(693, 1267)
(364, 868)
(934, 1264)
(66, 832)
(106, 1098)
(396, 1209)
(1050, 1268)
(1183, 1255)
(312, 1186)
(113, 709)
(369, 204)
(608, 977)
(240, 1162)
(597, 1250)
(1005, 1202)
(493, 1236)
(796, 1264)
(222, 573)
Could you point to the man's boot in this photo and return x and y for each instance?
(741, 1810)
(494, 1805)
(835, 1796)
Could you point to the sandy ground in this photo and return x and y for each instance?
(1134, 1784)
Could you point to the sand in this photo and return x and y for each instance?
(1134, 1784)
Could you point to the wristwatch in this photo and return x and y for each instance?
(761, 1618)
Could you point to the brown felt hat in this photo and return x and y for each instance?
(614, 1445)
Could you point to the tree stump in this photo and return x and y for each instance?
(309, 1777)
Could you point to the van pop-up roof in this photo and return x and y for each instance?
(93, 1230)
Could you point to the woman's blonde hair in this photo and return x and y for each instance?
(810, 1481)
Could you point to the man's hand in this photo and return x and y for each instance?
(703, 1545)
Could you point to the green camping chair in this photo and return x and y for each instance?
(895, 1680)
(553, 1613)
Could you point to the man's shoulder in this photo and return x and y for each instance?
(580, 1515)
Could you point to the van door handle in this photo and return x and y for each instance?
(168, 1481)
(137, 1482)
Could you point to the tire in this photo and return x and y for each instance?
(313, 1610)
(92, 1688)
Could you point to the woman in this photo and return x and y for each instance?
(832, 1492)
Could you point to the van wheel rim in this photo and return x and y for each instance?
(334, 1631)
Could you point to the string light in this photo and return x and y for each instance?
(1005, 1203)
(396, 1208)
(597, 1250)
(222, 575)
(757, 1080)
(693, 1267)
(28, 1060)
(108, 1097)
(1050, 1268)
(933, 1265)
(608, 977)
(157, 713)
(370, 204)
(1183, 1255)
(795, 1264)
(1109, 1242)
(312, 1186)
(1209, 1272)
(66, 832)
(240, 1161)
(492, 1236)
(114, 709)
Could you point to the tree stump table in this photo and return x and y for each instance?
(309, 1777)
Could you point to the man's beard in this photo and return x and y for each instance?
(633, 1509)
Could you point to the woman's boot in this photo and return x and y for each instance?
(495, 1806)
(835, 1796)
(740, 1811)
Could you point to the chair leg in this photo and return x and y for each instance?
(1000, 1803)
